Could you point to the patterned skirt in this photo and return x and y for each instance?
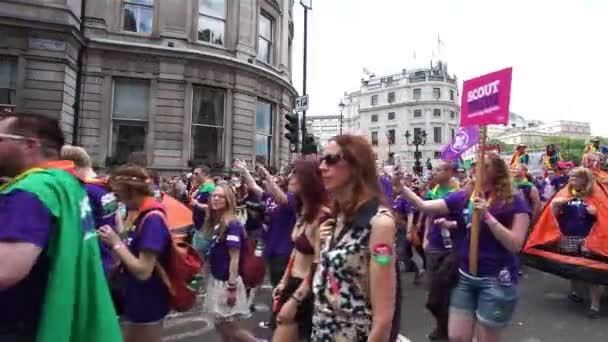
(216, 297)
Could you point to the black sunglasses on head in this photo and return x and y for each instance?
(331, 159)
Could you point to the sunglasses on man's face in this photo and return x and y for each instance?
(331, 159)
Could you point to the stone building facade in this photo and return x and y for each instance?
(414, 100)
(184, 81)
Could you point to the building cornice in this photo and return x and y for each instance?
(409, 104)
(192, 54)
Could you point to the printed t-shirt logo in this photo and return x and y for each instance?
(109, 203)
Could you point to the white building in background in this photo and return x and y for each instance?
(323, 127)
(414, 100)
(534, 132)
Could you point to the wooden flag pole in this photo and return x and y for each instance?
(474, 246)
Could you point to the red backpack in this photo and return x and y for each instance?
(182, 272)
(252, 267)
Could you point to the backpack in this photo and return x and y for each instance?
(252, 267)
(182, 273)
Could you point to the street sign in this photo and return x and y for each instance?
(302, 103)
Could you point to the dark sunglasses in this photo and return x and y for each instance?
(331, 159)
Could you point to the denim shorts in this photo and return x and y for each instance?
(492, 302)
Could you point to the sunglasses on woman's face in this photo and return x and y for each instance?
(331, 159)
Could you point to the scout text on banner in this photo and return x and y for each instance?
(464, 139)
(485, 99)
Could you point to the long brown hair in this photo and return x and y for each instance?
(133, 179)
(312, 194)
(224, 217)
(503, 183)
(364, 183)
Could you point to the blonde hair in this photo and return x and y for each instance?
(223, 218)
(77, 154)
(587, 175)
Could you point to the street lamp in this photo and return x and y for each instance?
(341, 105)
(419, 139)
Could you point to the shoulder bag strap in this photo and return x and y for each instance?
(162, 273)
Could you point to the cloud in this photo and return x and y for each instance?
(557, 49)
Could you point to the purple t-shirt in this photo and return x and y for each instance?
(559, 182)
(202, 196)
(402, 207)
(25, 219)
(282, 219)
(574, 219)
(455, 202)
(219, 256)
(387, 188)
(493, 256)
(147, 301)
(104, 206)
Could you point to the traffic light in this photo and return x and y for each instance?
(308, 144)
(293, 128)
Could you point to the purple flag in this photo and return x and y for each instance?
(465, 138)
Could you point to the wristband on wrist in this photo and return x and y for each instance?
(296, 299)
(118, 246)
(488, 218)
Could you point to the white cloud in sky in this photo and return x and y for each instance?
(558, 49)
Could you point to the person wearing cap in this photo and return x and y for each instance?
(520, 156)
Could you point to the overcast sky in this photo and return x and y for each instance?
(558, 49)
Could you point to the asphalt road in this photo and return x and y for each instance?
(544, 314)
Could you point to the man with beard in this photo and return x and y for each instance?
(52, 286)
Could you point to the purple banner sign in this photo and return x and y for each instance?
(465, 138)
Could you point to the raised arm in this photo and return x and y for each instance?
(273, 188)
(434, 207)
(251, 184)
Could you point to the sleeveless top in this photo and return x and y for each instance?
(343, 309)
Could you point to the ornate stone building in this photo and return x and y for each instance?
(185, 81)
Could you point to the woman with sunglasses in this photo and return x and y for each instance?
(356, 283)
(293, 301)
(484, 303)
(147, 238)
(226, 297)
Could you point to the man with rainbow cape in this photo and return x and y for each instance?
(52, 286)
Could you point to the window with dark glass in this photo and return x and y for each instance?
(374, 100)
(129, 117)
(417, 132)
(391, 115)
(374, 117)
(265, 38)
(436, 93)
(263, 132)
(138, 15)
(417, 113)
(374, 138)
(451, 95)
(212, 21)
(391, 97)
(390, 136)
(437, 155)
(452, 114)
(8, 80)
(207, 125)
(437, 135)
(453, 133)
(437, 113)
(417, 93)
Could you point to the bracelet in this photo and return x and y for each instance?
(296, 299)
(118, 246)
(488, 218)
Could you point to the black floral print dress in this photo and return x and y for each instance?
(342, 307)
